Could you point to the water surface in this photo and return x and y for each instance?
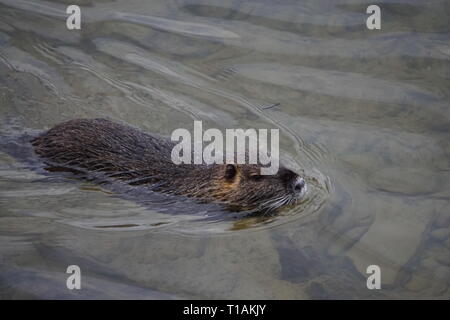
(364, 115)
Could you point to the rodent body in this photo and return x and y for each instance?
(124, 153)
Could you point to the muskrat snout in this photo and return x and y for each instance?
(299, 186)
(293, 182)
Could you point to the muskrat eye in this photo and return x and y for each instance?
(230, 171)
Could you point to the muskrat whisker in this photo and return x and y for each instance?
(274, 204)
(270, 201)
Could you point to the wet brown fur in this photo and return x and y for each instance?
(124, 153)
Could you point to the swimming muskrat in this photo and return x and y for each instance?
(120, 152)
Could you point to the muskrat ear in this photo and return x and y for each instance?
(230, 171)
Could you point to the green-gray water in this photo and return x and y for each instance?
(363, 113)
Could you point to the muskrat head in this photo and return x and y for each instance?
(244, 188)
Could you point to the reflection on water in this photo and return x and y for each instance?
(363, 114)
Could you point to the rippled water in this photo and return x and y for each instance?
(364, 114)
